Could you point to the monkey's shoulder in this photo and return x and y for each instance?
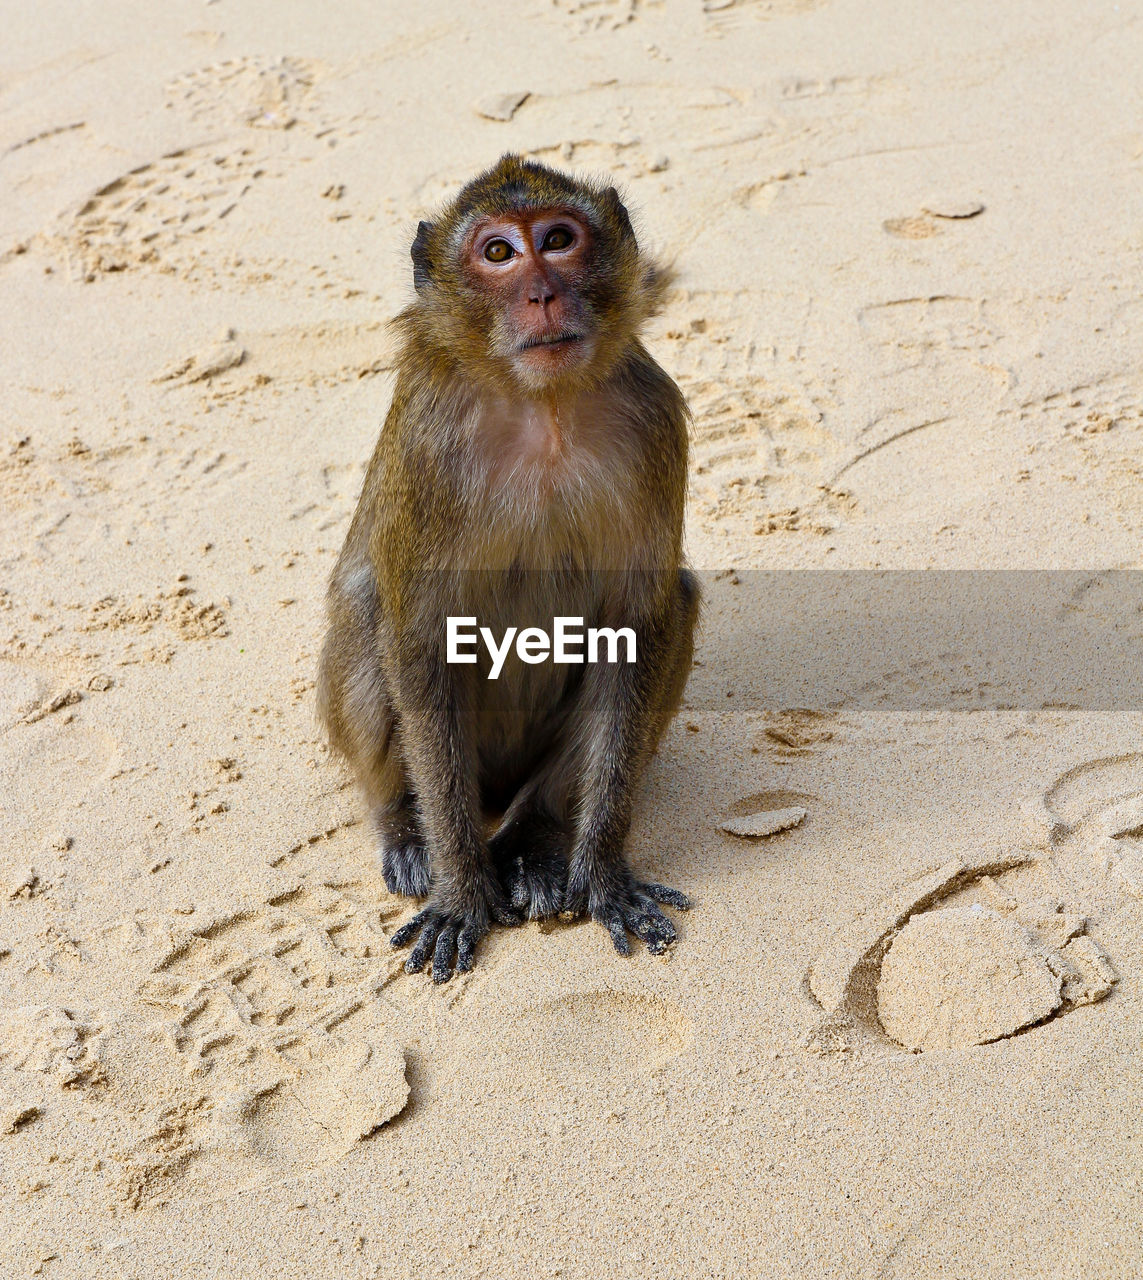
(650, 394)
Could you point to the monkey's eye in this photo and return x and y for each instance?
(558, 238)
(498, 251)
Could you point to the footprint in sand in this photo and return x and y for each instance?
(262, 1047)
(149, 217)
(1094, 811)
(263, 93)
(603, 15)
(604, 1032)
(267, 1109)
(964, 955)
(275, 1053)
(49, 1041)
(760, 448)
(46, 1052)
(969, 975)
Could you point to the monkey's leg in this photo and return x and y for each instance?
(625, 709)
(434, 703)
(354, 703)
(677, 669)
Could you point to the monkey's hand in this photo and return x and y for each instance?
(625, 905)
(445, 932)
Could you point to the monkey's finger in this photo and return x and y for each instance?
(669, 897)
(656, 931)
(466, 948)
(614, 926)
(424, 948)
(442, 953)
(503, 916)
(409, 930)
(659, 940)
(653, 927)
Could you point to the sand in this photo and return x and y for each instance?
(907, 317)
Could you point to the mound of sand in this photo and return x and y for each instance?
(963, 976)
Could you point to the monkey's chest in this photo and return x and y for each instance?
(551, 470)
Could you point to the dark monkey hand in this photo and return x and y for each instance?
(625, 905)
(449, 935)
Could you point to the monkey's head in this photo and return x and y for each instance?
(532, 280)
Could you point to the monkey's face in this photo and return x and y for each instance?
(531, 272)
(531, 281)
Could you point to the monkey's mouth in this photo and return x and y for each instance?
(552, 341)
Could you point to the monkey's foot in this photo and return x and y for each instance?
(529, 854)
(405, 867)
(534, 885)
(630, 908)
(445, 934)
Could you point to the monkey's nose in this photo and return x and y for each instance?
(541, 292)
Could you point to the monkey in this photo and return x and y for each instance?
(532, 464)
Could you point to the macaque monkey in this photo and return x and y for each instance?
(533, 465)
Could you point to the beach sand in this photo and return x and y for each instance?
(907, 317)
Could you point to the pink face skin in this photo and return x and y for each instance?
(532, 264)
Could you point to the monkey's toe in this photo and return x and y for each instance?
(671, 897)
(653, 928)
(443, 953)
(405, 868)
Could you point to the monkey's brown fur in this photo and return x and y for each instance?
(533, 464)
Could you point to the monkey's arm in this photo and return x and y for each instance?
(434, 707)
(626, 707)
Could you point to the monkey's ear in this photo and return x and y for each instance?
(656, 284)
(618, 210)
(422, 268)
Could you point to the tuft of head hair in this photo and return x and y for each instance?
(624, 286)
